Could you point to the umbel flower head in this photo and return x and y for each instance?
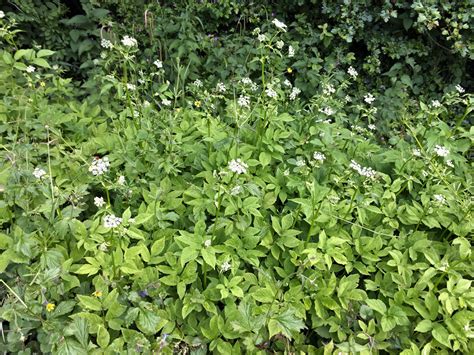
(99, 166)
(238, 166)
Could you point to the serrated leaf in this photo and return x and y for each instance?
(285, 323)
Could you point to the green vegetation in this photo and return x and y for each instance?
(236, 178)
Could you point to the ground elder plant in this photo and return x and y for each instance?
(229, 216)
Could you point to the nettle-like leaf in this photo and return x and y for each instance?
(285, 323)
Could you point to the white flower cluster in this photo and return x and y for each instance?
(439, 198)
(460, 89)
(279, 44)
(319, 157)
(367, 172)
(291, 52)
(369, 98)
(441, 151)
(2, 14)
(249, 82)
(416, 152)
(243, 101)
(329, 90)
(99, 201)
(99, 166)
(280, 25)
(158, 63)
(238, 166)
(166, 102)
(236, 190)
(131, 87)
(327, 111)
(372, 127)
(287, 83)
(261, 37)
(106, 43)
(435, 103)
(30, 69)
(111, 221)
(197, 83)
(352, 72)
(271, 93)
(128, 41)
(220, 87)
(121, 180)
(294, 92)
(39, 173)
(207, 243)
(225, 266)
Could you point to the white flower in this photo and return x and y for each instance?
(30, 69)
(416, 152)
(106, 43)
(460, 89)
(367, 172)
(99, 201)
(352, 72)
(236, 190)
(372, 127)
(238, 166)
(441, 151)
(225, 266)
(280, 44)
(280, 25)
(246, 81)
(2, 14)
(104, 247)
(262, 37)
(110, 221)
(197, 83)
(271, 93)
(319, 156)
(99, 166)
(439, 198)
(286, 172)
(291, 52)
(39, 173)
(243, 101)
(295, 92)
(158, 63)
(327, 111)
(121, 180)
(131, 87)
(220, 87)
(287, 83)
(369, 98)
(256, 31)
(128, 41)
(450, 163)
(348, 98)
(300, 162)
(435, 103)
(328, 90)
(207, 243)
(166, 102)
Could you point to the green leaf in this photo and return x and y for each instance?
(424, 326)
(209, 257)
(264, 295)
(87, 269)
(41, 63)
(388, 323)
(89, 302)
(265, 158)
(285, 323)
(188, 254)
(441, 335)
(148, 322)
(103, 337)
(377, 305)
(44, 53)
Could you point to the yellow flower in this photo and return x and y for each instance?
(50, 307)
(289, 70)
(197, 103)
(42, 83)
(97, 293)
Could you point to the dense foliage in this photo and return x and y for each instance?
(236, 177)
